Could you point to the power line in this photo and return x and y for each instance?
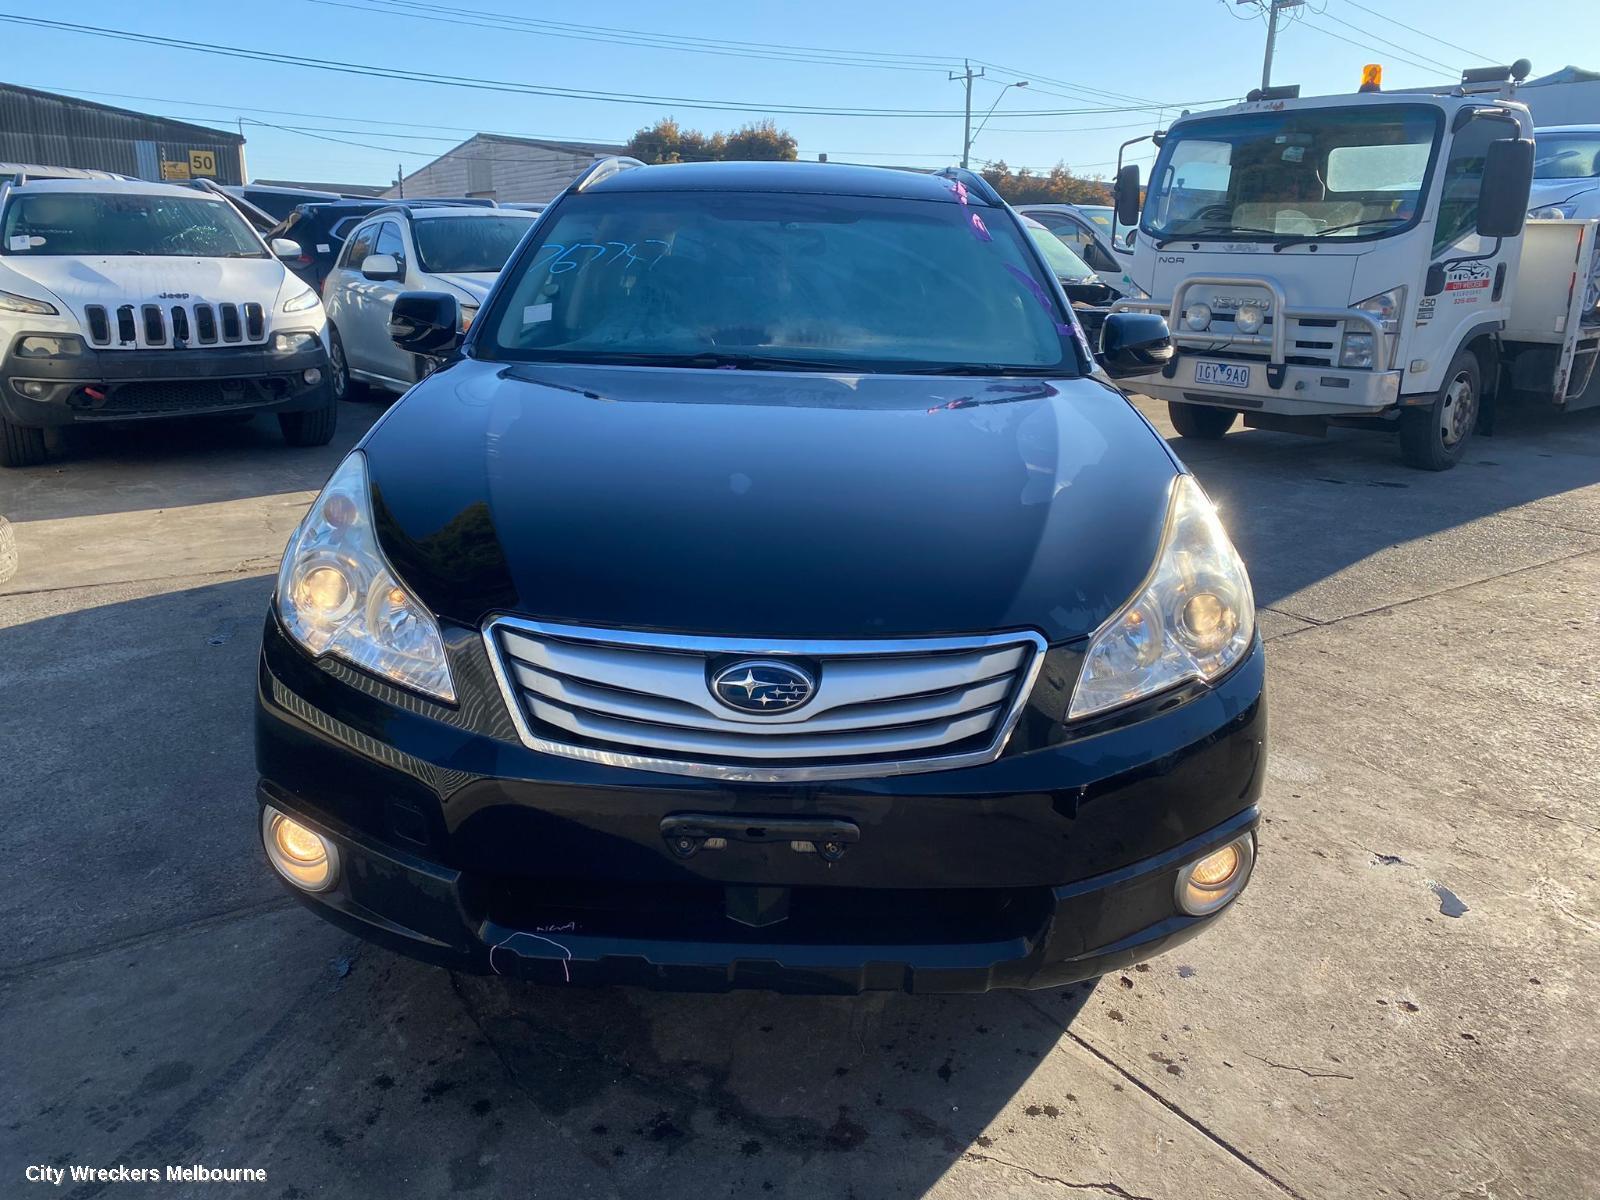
(1376, 50)
(1487, 58)
(1415, 54)
(476, 83)
(535, 28)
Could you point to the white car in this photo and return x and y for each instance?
(123, 300)
(1089, 241)
(1566, 173)
(397, 249)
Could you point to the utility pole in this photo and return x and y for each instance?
(1272, 9)
(967, 76)
(400, 178)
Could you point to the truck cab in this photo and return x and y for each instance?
(1344, 259)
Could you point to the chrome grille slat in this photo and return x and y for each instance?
(644, 701)
(160, 324)
(631, 706)
(767, 745)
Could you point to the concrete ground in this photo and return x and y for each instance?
(1404, 1004)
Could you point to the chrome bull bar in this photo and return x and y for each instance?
(1276, 341)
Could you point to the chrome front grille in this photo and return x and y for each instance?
(154, 325)
(879, 708)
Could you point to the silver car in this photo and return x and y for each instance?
(458, 251)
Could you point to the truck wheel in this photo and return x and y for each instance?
(344, 388)
(1200, 421)
(1435, 436)
(20, 445)
(315, 426)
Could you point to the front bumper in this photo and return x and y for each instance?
(116, 385)
(1303, 391)
(460, 846)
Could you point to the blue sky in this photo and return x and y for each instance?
(1104, 59)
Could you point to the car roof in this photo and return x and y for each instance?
(819, 178)
(1538, 129)
(465, 210)
(121, 187)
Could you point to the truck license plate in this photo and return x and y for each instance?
(1227, 374)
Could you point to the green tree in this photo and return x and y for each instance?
(1058, 186)
(668, 142)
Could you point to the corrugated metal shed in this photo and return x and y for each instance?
(504, 168)
(64, 131)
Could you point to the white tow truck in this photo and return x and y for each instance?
(1362, 260)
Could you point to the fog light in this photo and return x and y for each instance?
(1208, 883)
(1197, 316)
(302, 855)
(311, 375)
(1248, 320)
(33, 389)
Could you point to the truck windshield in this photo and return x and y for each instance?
(1355, 172)
(115, 223)
(780, 280)
(1566, 155)
(468, 245)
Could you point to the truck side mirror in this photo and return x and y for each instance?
(1127, 195)
(1133, 343)
(1503, 197)
(426, 323)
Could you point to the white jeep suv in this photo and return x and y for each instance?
(124, 300)
(435, 248)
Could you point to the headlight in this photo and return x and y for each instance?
(1193, 618)
(468, 312)
(290, 343)
(39, 345)
(11, 302)
(1197, 316)
(1356, 353)
(1553, 212)
(1387, 307)
(1248, 319)
(301, 301)
(337, 595)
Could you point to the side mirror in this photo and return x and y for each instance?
(381, 268)
(1127, 195)
(285, 248)
(425, 322)
(1503, 196)
(1134, 344)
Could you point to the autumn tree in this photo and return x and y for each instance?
(1058, 186)
(668, 142)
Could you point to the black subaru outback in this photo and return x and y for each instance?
(771, 590)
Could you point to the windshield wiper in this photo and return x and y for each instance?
(711, 360)
(982, 369)
(1299, 239)
(1178, 237)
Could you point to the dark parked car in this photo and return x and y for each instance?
(321, 228)
(772, 592)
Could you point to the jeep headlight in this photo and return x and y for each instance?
(293, 342)
(1192, 619)
(301, 301)
(1554, 212)
(11, 302)
(338, 595)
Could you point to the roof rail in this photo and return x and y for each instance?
(974, 183)
(603, 169)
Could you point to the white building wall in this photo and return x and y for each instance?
(515, 172)
(1563, 103)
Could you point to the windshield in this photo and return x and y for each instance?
(1063, 261)
(111, 223)
(1566, 155)
(1103, 215)
(852, 283)
(1334, 172)
(467, 245)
